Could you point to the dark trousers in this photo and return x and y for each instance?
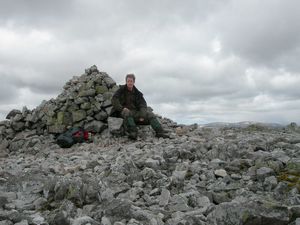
(133, 117)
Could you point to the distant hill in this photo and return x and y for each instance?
(243, 124)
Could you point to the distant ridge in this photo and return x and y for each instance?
(242, 124)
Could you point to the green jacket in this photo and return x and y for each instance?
(119, 99)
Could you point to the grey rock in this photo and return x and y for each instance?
(264, 172)
(294, 196)
(281, 156)
(16, 145)
(87, 93)
(40, 203)
(106, 103)
(17, 118)
(105, 221)
(38, 219)
(248, 213)
(119, 207)
(203, 201)
(119, 223)
(61, 218)
(100, 89)
(3, 201)
(295, 212)
(96, 106)
(95, 126)
(101, 116)
(134, 222)
(115, 125)
(178, 203)
(12, 215)
(220, 197)
(293, 166)
(270, 183)
(145, 216)
(107, 95)
(6, 222)
(109, 82)
(148, 173)
(23, 222)
(3, 148)
(191, 217)
(13, 113)
(18, 126)
(2, 130)
(9, 196)
(25, 111)
(85, 106)
(106, 195)
(80, 100)
(78, 115)
(281, 188)
(109, 110)
(220, 173)
(152, 163)
(93, 69)
(56, 129)
(85, 220)
(236, 176)
(64, 118)
(179, 176)
(10, 133)
(215, 163)
(164, 197)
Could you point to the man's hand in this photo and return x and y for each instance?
(141, 119)
(125, 112)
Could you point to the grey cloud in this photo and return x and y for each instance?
(28, 12)
(263, 32)
(8, 91)
(88, 19)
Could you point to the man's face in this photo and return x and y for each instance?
(129, 83)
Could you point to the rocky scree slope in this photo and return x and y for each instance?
(202, 175)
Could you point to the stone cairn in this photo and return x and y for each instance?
(85, 102)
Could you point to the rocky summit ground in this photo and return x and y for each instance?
(201, 175)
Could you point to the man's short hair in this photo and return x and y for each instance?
(130, 75)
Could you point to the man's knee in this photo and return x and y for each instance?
(150, 115)
(126, 114)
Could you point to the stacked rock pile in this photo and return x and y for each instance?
(85, 102)
(85, 98)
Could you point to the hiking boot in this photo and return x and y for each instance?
(131, 128)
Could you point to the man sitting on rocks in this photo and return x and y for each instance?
(129, 102)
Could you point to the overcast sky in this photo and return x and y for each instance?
(196, 61)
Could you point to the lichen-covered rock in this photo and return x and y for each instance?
(78, 115)
(115, 125)
(293, 166)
